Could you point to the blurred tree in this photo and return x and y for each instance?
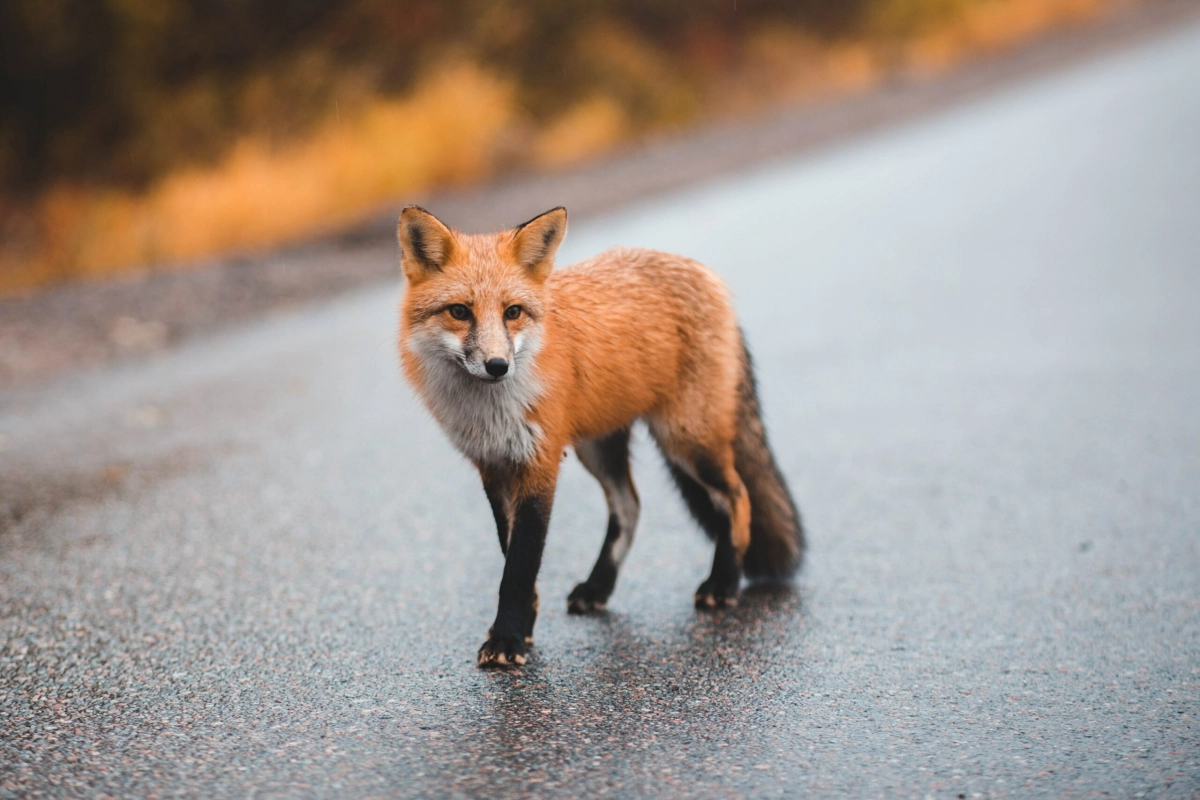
(119, 91)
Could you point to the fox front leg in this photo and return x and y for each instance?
(508, 640)
(499, 495)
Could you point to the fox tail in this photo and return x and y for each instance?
(776, 533)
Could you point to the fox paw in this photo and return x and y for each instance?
(586, 598)
(502, 651)
(713, 595)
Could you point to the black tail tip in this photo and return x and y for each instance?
(776, 556)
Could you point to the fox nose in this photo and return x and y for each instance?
(496, 367)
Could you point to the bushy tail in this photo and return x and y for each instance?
(776, 532)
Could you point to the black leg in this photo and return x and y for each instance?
(532, 617)
(607, 458)
(713, 522)
(506, 645)
(593, 594)
(497, 495)
(721, 587)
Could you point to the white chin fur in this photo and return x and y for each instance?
(485, 418)
(479, 372)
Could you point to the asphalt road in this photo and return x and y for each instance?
(252, 566)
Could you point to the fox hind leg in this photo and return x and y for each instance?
(607, 459)
(715, 495)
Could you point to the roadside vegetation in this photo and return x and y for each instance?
(153, 132)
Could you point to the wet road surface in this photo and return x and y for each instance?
(253, 566)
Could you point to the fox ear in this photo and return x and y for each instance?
(535, 242)
(425, 243)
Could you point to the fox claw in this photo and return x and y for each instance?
(586, 598)
(710, 596)
(500, 651)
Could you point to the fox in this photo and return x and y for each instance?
(518, 361)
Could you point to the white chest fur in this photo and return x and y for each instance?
(487, 422)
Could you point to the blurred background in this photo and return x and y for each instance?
(138, 133)
(238, 557)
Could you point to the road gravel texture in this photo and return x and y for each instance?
(252, 565)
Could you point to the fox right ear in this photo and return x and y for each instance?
(425, 243)
(535, 242)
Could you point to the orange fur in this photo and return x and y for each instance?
(630, 334)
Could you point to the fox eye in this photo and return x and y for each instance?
(459, 311)
(512, 312)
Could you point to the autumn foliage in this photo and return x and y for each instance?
(144, 132)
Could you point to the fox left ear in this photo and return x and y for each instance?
(425, 243)
(535, 242)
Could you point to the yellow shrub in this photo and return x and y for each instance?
(588, 128)
(445, 132)
(461, 123)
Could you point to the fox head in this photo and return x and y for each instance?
(476, 302)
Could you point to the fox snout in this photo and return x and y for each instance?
(491, 370)
(489, 352)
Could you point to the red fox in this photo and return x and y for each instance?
(517, 361)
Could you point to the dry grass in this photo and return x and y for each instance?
(992, 25)
(462, 123)
(445, 133)
(588, 128)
